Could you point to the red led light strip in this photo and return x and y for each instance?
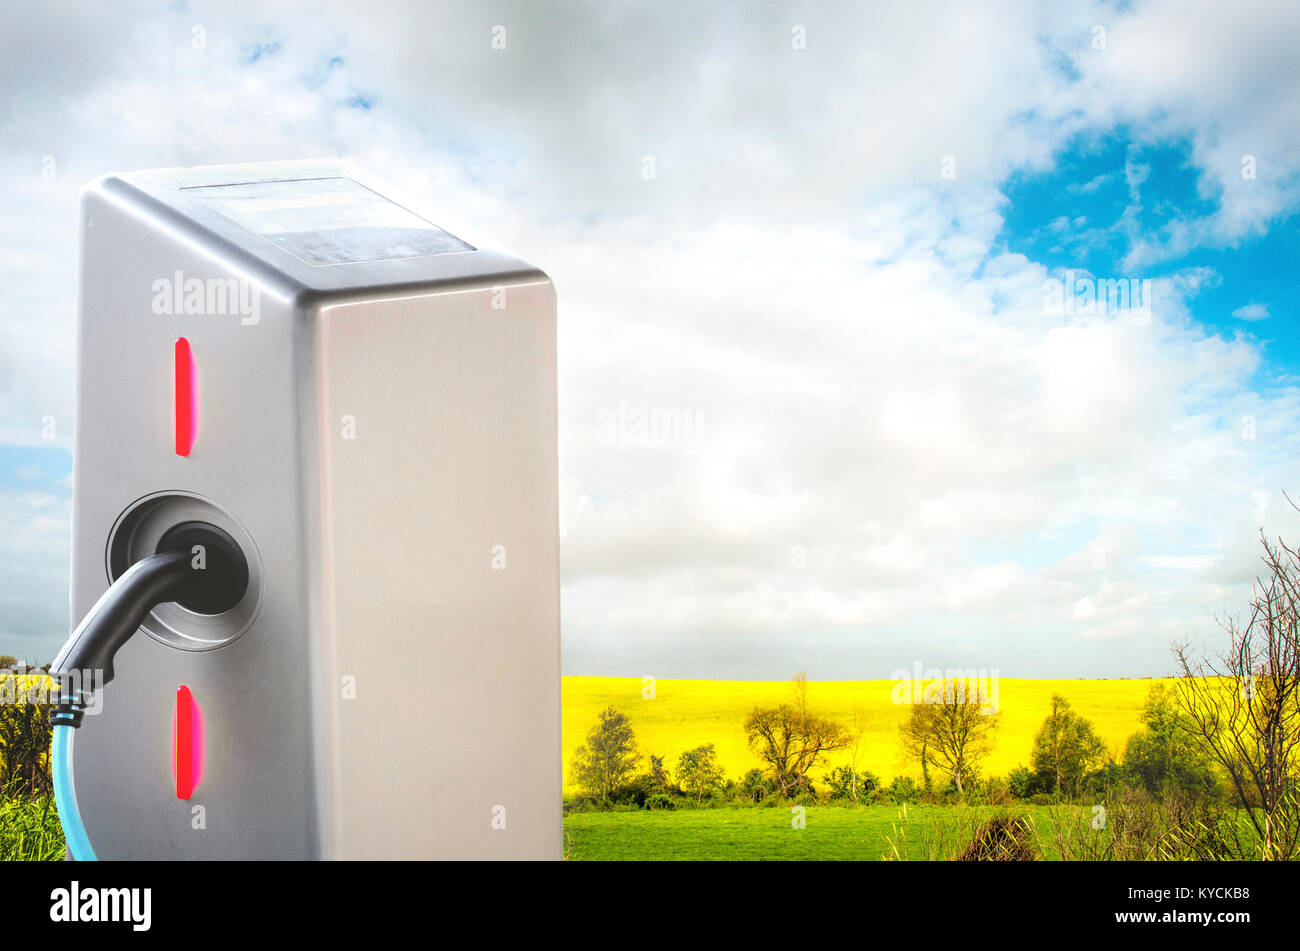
(185, 396)
(183, 743)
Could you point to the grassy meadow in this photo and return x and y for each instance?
(839, 833)
(687, 713)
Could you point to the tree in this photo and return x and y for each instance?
(8, 661)
(1066, 748)
(657, 772)
(950, 729)
(608, 757)
(1163, 755)
(698, 771)
(791, 741)
(1022, 782)
(1243, 706)
(857, 727)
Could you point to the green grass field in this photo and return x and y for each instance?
(687, 713)
(30, 831)
(864, 833)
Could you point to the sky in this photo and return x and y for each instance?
(835, 392)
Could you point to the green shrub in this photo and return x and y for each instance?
(993, 791)
(840, 785)
(870, 786)
(1111, 780)
(1022, 782)
(902, 789)
(580, 804)
(805, 797)
(656, 802)
(755, 787)
(635, 792)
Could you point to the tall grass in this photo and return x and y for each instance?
(30, 830)
(968, 832)
(1136, 827)
(29, 824)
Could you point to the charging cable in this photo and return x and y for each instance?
(210, 584)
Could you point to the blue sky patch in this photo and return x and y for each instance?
(1085, 212)
(35, 467)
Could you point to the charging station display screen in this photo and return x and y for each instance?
(324, 221)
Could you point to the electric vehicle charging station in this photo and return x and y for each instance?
(286, 365)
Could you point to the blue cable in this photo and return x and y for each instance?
(65, 797)
(168, 575)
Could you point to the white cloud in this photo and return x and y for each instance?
(1180, 69)
(877, 383)
(34, 561)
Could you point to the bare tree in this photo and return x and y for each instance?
(950, 728)
(1243, 705)
(857, 728)
(800, 682)
(792, 741)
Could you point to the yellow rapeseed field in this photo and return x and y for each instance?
(687, 713)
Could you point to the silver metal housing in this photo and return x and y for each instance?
(383, 431)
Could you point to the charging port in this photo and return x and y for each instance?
(218, 557)
(173, 523)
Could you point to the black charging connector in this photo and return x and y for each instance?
(197, 565)
(222, 572)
